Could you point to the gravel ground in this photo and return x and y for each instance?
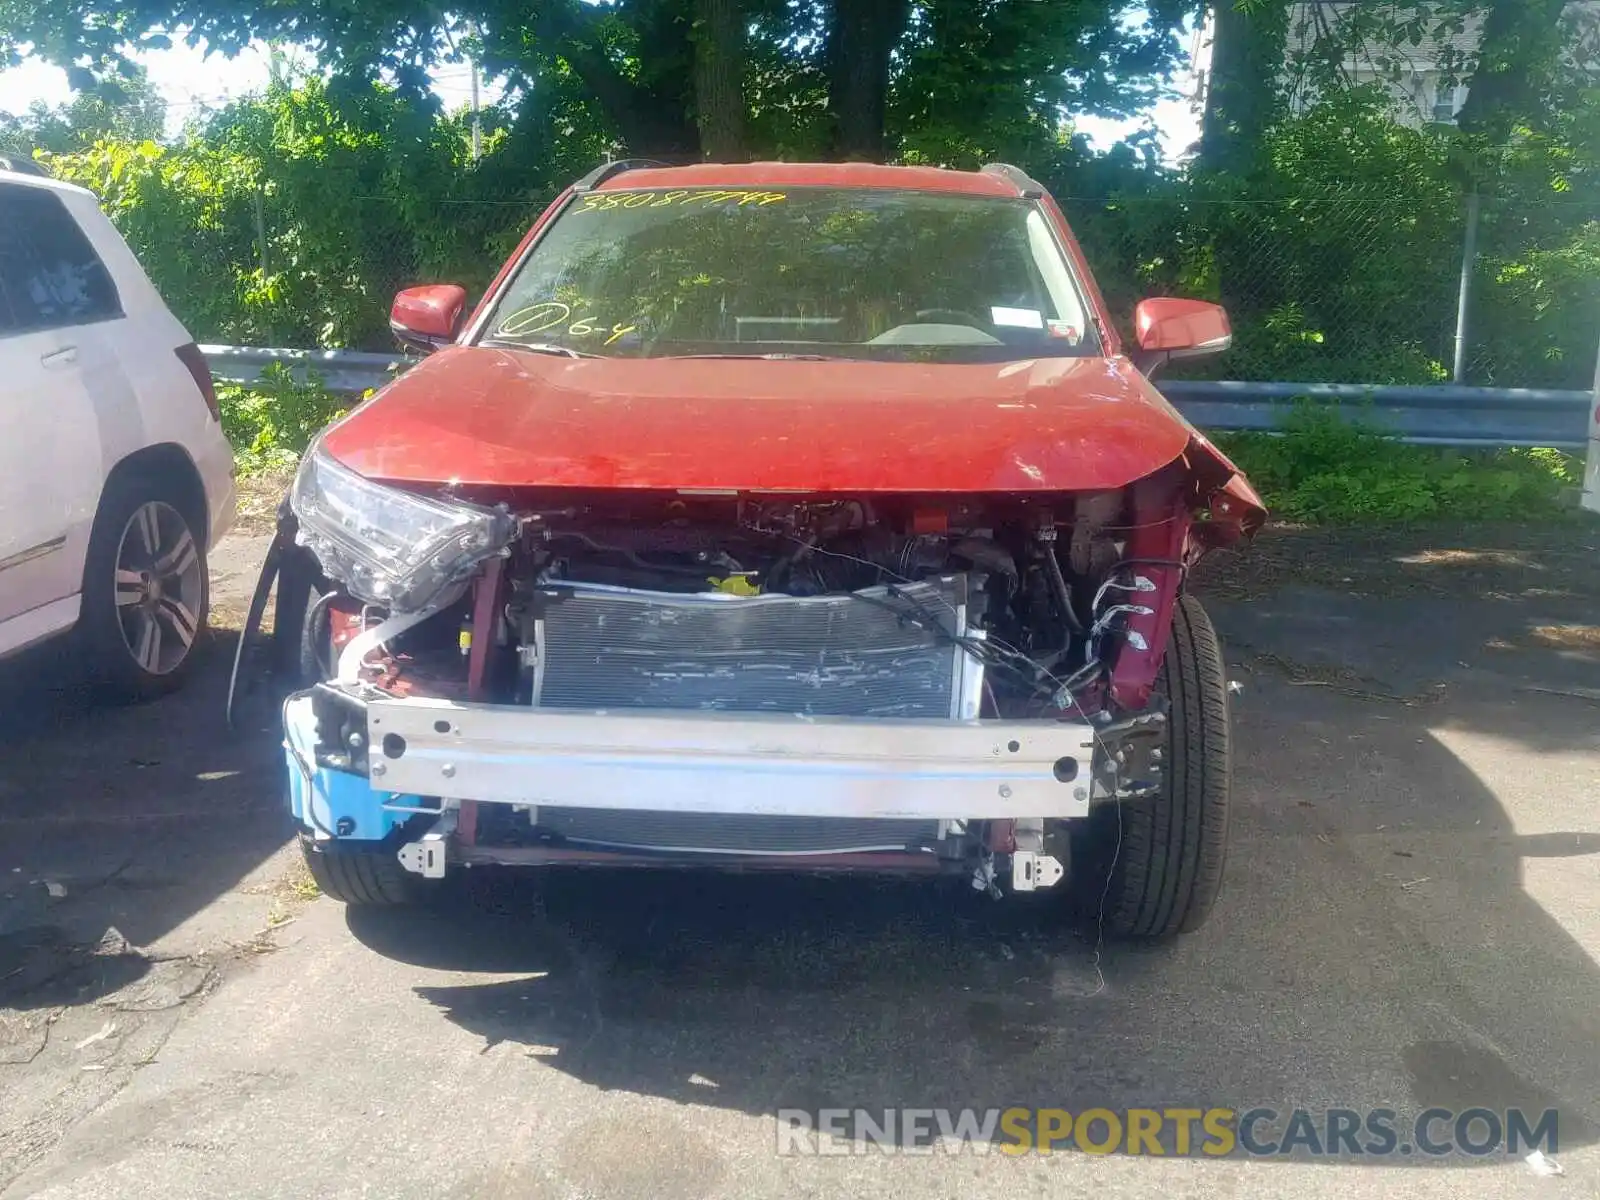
(1412, 917)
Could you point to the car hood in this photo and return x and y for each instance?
(487, 417)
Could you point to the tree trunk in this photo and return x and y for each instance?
(861, 37)
(719, 36)
(649, 118)
(650, 125)
(1247, 58)
(1517, 52)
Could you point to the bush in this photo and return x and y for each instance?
(1325, 467)
(271, 422)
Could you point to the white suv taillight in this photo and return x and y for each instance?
(192, 358)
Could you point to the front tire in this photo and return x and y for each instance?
(1155, 863)
(146, 590)
(359, 876)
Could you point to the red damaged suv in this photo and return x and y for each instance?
(778, 516)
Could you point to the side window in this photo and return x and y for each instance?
(50, 275)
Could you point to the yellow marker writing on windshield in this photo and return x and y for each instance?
(607, 201)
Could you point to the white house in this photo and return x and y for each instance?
(1426, 79)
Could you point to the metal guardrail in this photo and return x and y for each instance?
(1442, 414)
(339, 370)
(1435, 414)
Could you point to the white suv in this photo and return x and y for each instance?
(115, 477)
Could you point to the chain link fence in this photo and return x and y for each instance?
(1360, 288)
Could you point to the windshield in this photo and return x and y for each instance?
(824, 272)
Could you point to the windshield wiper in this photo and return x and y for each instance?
(538, 347)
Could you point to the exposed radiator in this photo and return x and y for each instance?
(599, 646)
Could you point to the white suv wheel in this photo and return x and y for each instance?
(159, 588)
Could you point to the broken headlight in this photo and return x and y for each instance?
(387, 546)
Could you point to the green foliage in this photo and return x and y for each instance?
(1324, 467)
(1539, 276)
(291, 219)
(271, 422)
(998, 72)
(985, 83)
(1337, 252)
(128, 109)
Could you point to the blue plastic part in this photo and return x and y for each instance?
(347, 806)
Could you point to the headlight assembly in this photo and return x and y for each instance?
(387, 546)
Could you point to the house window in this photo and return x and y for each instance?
(1447, 101)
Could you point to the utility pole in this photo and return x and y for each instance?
(1591, 473)
(261, 228)
(477, 125)
(1469, 260)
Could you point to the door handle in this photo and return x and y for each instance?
(63, 357)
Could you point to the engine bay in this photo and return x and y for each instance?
(778, 604)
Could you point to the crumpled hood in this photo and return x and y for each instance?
(487, 417)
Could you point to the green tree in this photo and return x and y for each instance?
(680, 78)
(1245, 90)
(359, 192)
(123, 109)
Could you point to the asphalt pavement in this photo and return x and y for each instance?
(1411, 918)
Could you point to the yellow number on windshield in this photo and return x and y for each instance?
(607, 201)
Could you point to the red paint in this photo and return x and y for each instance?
(504, 418)
(1169, 323)
(1236, 513)
(190, 356)
(343, 625)
(1002, 836)
(1161, 531)
(1237, 509)
(832, 175)
(488, 596)
(486, 601)
(434, 311)
(467, 823)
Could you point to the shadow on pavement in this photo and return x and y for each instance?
(118, 825)
(1375, 949)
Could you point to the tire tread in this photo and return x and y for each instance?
(364, 878)
(1169, 858)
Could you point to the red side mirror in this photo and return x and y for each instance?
(426, 318)
(1168, 328)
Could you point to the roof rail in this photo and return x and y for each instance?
(607, 169)
(1030, 188)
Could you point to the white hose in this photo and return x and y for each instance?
(354, 655)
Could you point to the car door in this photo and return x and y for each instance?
(53, 289)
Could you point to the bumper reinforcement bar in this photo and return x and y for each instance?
(778, 765)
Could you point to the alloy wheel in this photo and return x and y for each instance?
(159, 587)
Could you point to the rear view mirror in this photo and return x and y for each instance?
(1169, 328)
(426, 318)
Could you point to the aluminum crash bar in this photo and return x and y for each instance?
(710, 762)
